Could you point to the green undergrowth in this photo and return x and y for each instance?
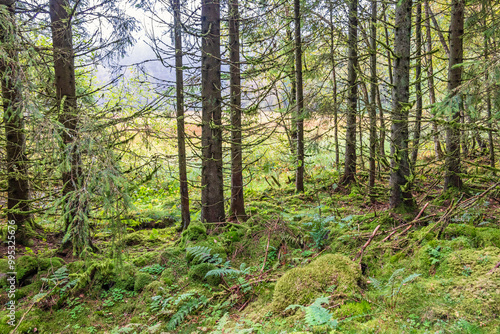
(288, 269)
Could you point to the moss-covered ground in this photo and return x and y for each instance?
(433, 276)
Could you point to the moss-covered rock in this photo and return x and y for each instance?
(146, 259)
(52, 262)
(26, 266)
(469, 262)
(29, 290)
(480, 236)
(154, 287)
(195, 232)
(168, 277)
(136, 238)
(141, 280)
(302, 285)
(125, 277)
(198, 272)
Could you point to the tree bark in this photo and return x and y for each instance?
(452, 176)
(350, 150)
(334, 93)
(488, 107)
(18, 193)
(212, 181)
(400, 170)
(181, 141)
(418, 86)
(373, 97)
(299, 178)
(237, 198)
(75, 208)
(430, 74)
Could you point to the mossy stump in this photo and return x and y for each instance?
(302, 285)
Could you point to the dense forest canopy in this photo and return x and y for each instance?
(245, 166)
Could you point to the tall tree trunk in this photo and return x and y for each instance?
(75, 207)
(418, 86)
(181, 142)
(334, 83)
(293, 88)
(373, 97)
(452, 177)
(350, 150)
(438, 30)
(12, 101)
(299, 178)
(212, 180)
(430, 74)
(400, 169)
(237, 199)
(488, 108)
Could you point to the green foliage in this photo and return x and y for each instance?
(58, 282)
(141, 280)
(186, 304)
(303, 285)
(201, 254)
(155, 269)
(390, 291)
(316, 314)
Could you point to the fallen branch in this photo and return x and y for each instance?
(494, 268)
(362, 250)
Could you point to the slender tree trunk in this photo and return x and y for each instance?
(299, 179)
(488, 109)
(212, 194)
(237, 199)
(12, 101)
(382, 127)
(181, 142)
(75, 207)
(452, 177)
(400, 169)
(373, 97)
(418, 86)
(430, 75)
(350, 150)
(438, 30)
(293, 88)
(334, 83)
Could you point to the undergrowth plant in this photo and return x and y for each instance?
(59, 283)
(390, 291)
(316, 314)
(180, 307)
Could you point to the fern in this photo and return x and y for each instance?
(201, 254)
(316, 314)
(388, 291)
(192, 304)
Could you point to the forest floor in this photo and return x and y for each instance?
(326, 261)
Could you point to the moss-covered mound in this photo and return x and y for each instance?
(303, 285)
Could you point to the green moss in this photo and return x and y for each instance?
(154, 287)
(141, 280)
(26, 266)
(195, 232)
(302, 285)
(470, 262)
(125, 277)
(480, 236)
(53, 262)
(198, 272)
(136, 238)
(353, 309)
(29, 290)
(168, 277)
(146, 259)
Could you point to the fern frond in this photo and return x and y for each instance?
(394, 275)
